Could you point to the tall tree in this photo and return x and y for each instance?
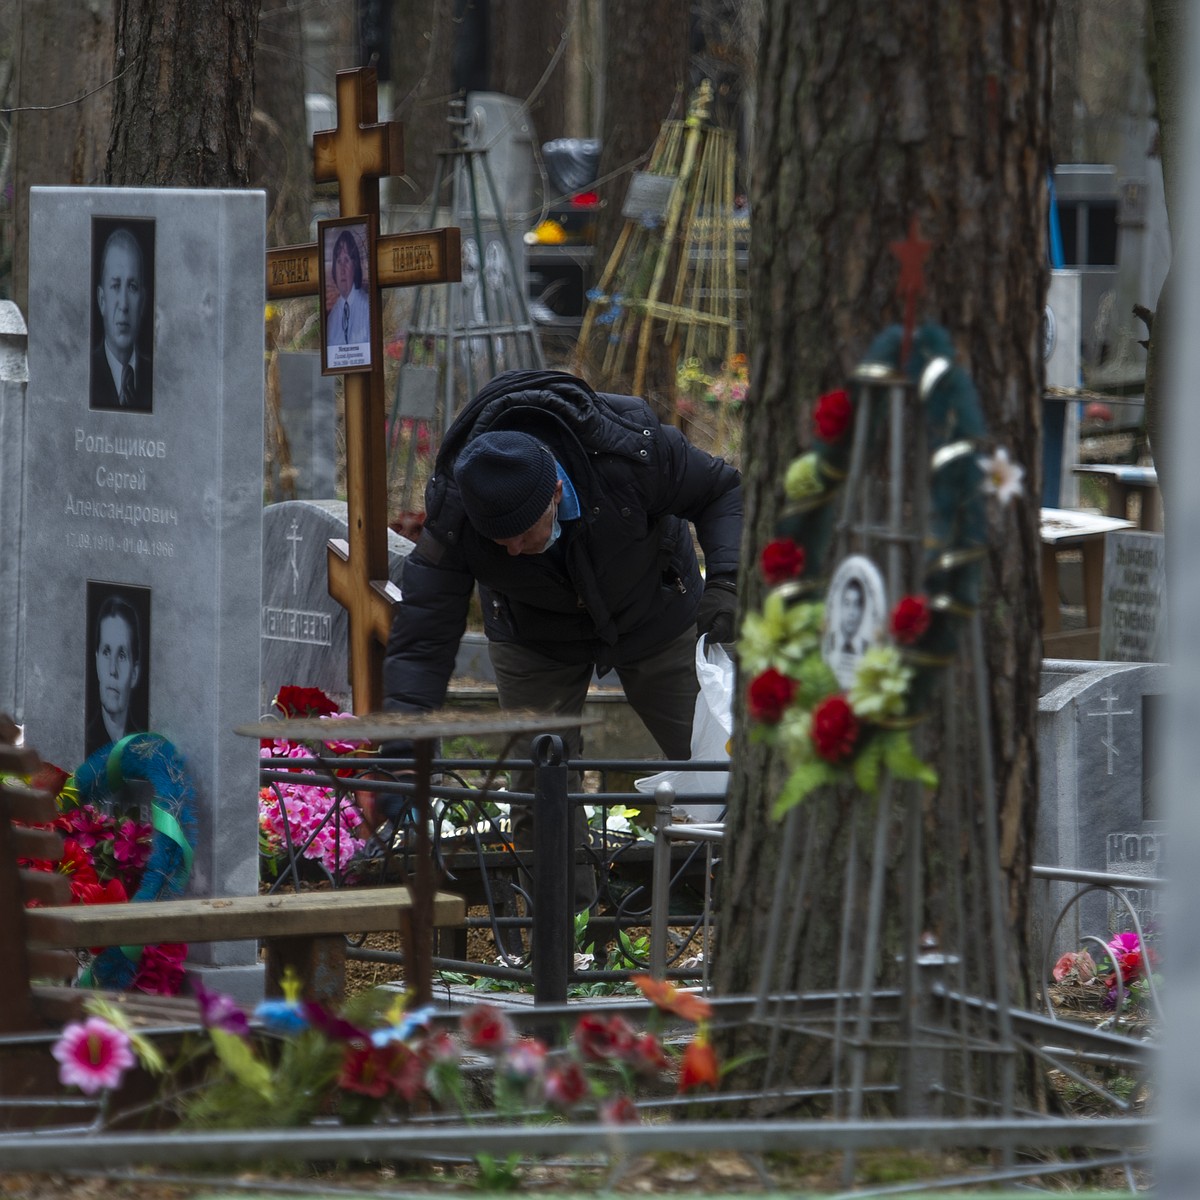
(184, 93)
(62, 107)
(280, 151)
(646, 59)
(869, 115)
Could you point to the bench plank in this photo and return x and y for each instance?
(287, 914)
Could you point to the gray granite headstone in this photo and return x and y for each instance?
(304, 630)
(1097, 774)
(14, 372)
(157, 503)
(309, 423)
(1133, 611)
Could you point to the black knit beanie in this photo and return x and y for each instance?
(506, 480)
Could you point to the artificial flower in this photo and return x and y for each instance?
(304, 702)
(619, 1110)
(699, 1065)
(160, 969)
(525, 1060)
(910, 619)
(802, 479)
(283, 1017)
(92, 1055)
(781, 560)
(782, 635)
(1074, 962)
(834, 729)
(769, 693)
(332, 1026)
(565, 1086)
(366, 1070)
(1001, 476)
(487, 1028)
(666, 997)
(112, 892)
(600, 1039)
(832, 415)
(219, 1011)
(881, 682)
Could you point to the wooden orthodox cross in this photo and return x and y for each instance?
(357, 154)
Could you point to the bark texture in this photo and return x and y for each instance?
(63, 106)
(869, 114)
(183, 98)
(281, 161)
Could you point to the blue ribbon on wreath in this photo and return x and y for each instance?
(148, 757)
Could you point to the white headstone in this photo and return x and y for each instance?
(155, 501)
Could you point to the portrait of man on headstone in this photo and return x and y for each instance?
(117, 665)
(854, 610)
(347, 290)
(122, 373)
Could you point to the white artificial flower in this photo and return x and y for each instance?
(1001, 476)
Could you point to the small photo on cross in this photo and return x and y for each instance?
(347, 290)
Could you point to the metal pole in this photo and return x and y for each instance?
(660, 893)
(552, 923)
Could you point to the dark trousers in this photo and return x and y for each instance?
(661, 688)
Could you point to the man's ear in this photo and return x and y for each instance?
(558, 491)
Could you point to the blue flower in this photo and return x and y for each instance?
(281, 1016)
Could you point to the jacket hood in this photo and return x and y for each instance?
(549, 404)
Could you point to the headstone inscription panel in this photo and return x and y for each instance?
(1133, 611)
(141, 560)
(304, 630)
(1098, 781)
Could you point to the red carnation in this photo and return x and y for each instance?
(834, 729)
(832, 415)
(769, 694)
(304, 702)
(910, 619)
(781, 560)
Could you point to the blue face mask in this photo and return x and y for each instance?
(555, 532)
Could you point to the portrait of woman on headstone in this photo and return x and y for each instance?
(854, 613)
(122, 370)
(117, 697)
(347, 284)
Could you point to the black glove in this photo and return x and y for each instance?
(718, 607)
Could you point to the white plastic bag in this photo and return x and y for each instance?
(712, 726)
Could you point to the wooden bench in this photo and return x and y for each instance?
(304, 930)
(1068, 529)
(1122, 482)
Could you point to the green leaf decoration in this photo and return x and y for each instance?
(804, 779)
(867, 765)
(238, 1059)
(902, 761)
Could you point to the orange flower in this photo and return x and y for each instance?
(666, 997)
(699, 1065)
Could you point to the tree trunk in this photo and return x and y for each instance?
(527, 38)
(1168, 27)
(422, 49)
(867, 117)
(281, 161)
(58, 142)
(183, 97)
(642, 90)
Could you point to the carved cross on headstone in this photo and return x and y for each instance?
(357, 154)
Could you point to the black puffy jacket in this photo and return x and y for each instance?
(631, 581)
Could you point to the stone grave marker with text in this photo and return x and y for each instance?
(304, 630)
(1097, 768)
(13, 376)
(1133, 610)
(143, 498)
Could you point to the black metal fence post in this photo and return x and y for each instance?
(551, 939)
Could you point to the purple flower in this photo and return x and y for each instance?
(218, 1011)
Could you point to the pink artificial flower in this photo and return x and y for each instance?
(131, 845)
(619, 1110)
(92, 1055)
(525, 1059)
(1125, 943)
(487, 1028)
(565, 1086)
(160, 970)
